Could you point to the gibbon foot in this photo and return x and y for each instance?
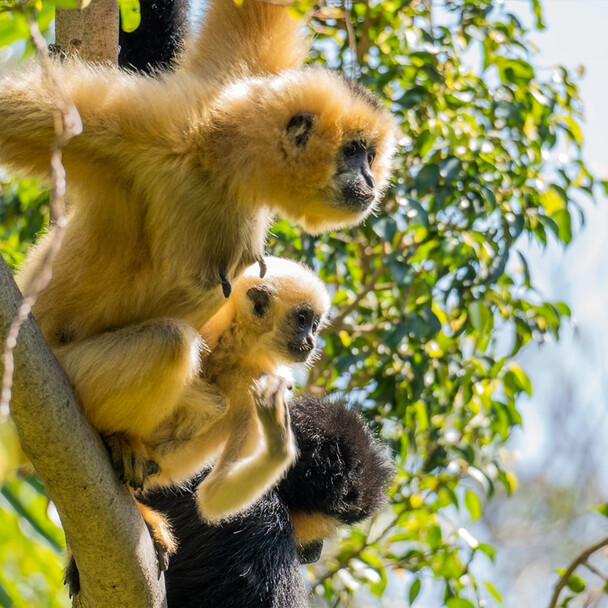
(270, 394)
(132, 467)
(162, 553)
(226, 286)
(71, 577)
(161, 534)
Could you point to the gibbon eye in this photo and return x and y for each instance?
(371, 155)
(315, 326)
(353, 149)
(302, 320)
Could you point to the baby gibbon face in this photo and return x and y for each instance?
(294, 327)
(326, 144)
(285, 310)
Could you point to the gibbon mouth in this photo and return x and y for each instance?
(357, 197)
(299, 352)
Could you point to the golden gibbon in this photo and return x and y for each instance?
(172, 186)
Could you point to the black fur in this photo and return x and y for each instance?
(342, 471)
(253, 561)
(155, 44)
(247, 562)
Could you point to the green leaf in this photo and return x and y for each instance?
(427, 178)
(493, 592)
(130, 16)
(473, 504)
(479, 314)
(601, 509)
(414, 590)
(458, 602)
(576, 584)
(488, 550)
(521, 380)
(564, 223)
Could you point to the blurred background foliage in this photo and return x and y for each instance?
(432, 296)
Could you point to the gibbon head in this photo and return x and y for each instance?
(283, 311)
(315, 146)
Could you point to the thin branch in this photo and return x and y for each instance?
(67, 124)
(580, 560)
(350, 33)
(367, 288)
(595, 571)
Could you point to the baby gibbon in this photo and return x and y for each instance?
(265, 326)
(172, 186)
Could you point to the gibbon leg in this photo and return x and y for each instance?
(190, 439)
(131, 379)
(237, 481)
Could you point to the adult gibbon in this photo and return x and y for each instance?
(172, 186)
(253, 560)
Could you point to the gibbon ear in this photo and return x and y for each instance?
(299, 127)
(261, 296)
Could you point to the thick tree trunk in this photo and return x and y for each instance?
(92, 32)
(111, 544)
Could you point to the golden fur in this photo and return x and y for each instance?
(172, 187)
(249, 365)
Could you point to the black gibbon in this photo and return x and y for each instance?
(265, 326)
(171, 189)
(155, 44)
(253, 560)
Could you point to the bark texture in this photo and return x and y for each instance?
(111, 544)
(91, 32)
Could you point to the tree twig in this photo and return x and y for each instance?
(350, 33)
(580, 560)
(67, 124)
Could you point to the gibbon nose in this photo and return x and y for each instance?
(309, 342)
(369, 178)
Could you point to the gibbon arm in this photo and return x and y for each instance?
(237, 482)
(256, 38)
(122, 116)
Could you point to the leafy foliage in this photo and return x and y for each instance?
(432, 296)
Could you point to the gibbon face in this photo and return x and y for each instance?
(326, 144)
(294, 336)
(285, 310)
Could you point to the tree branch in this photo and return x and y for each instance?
(111, 544)
(581, 559)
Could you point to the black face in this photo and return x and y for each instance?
(355, 177)
(304, 324)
